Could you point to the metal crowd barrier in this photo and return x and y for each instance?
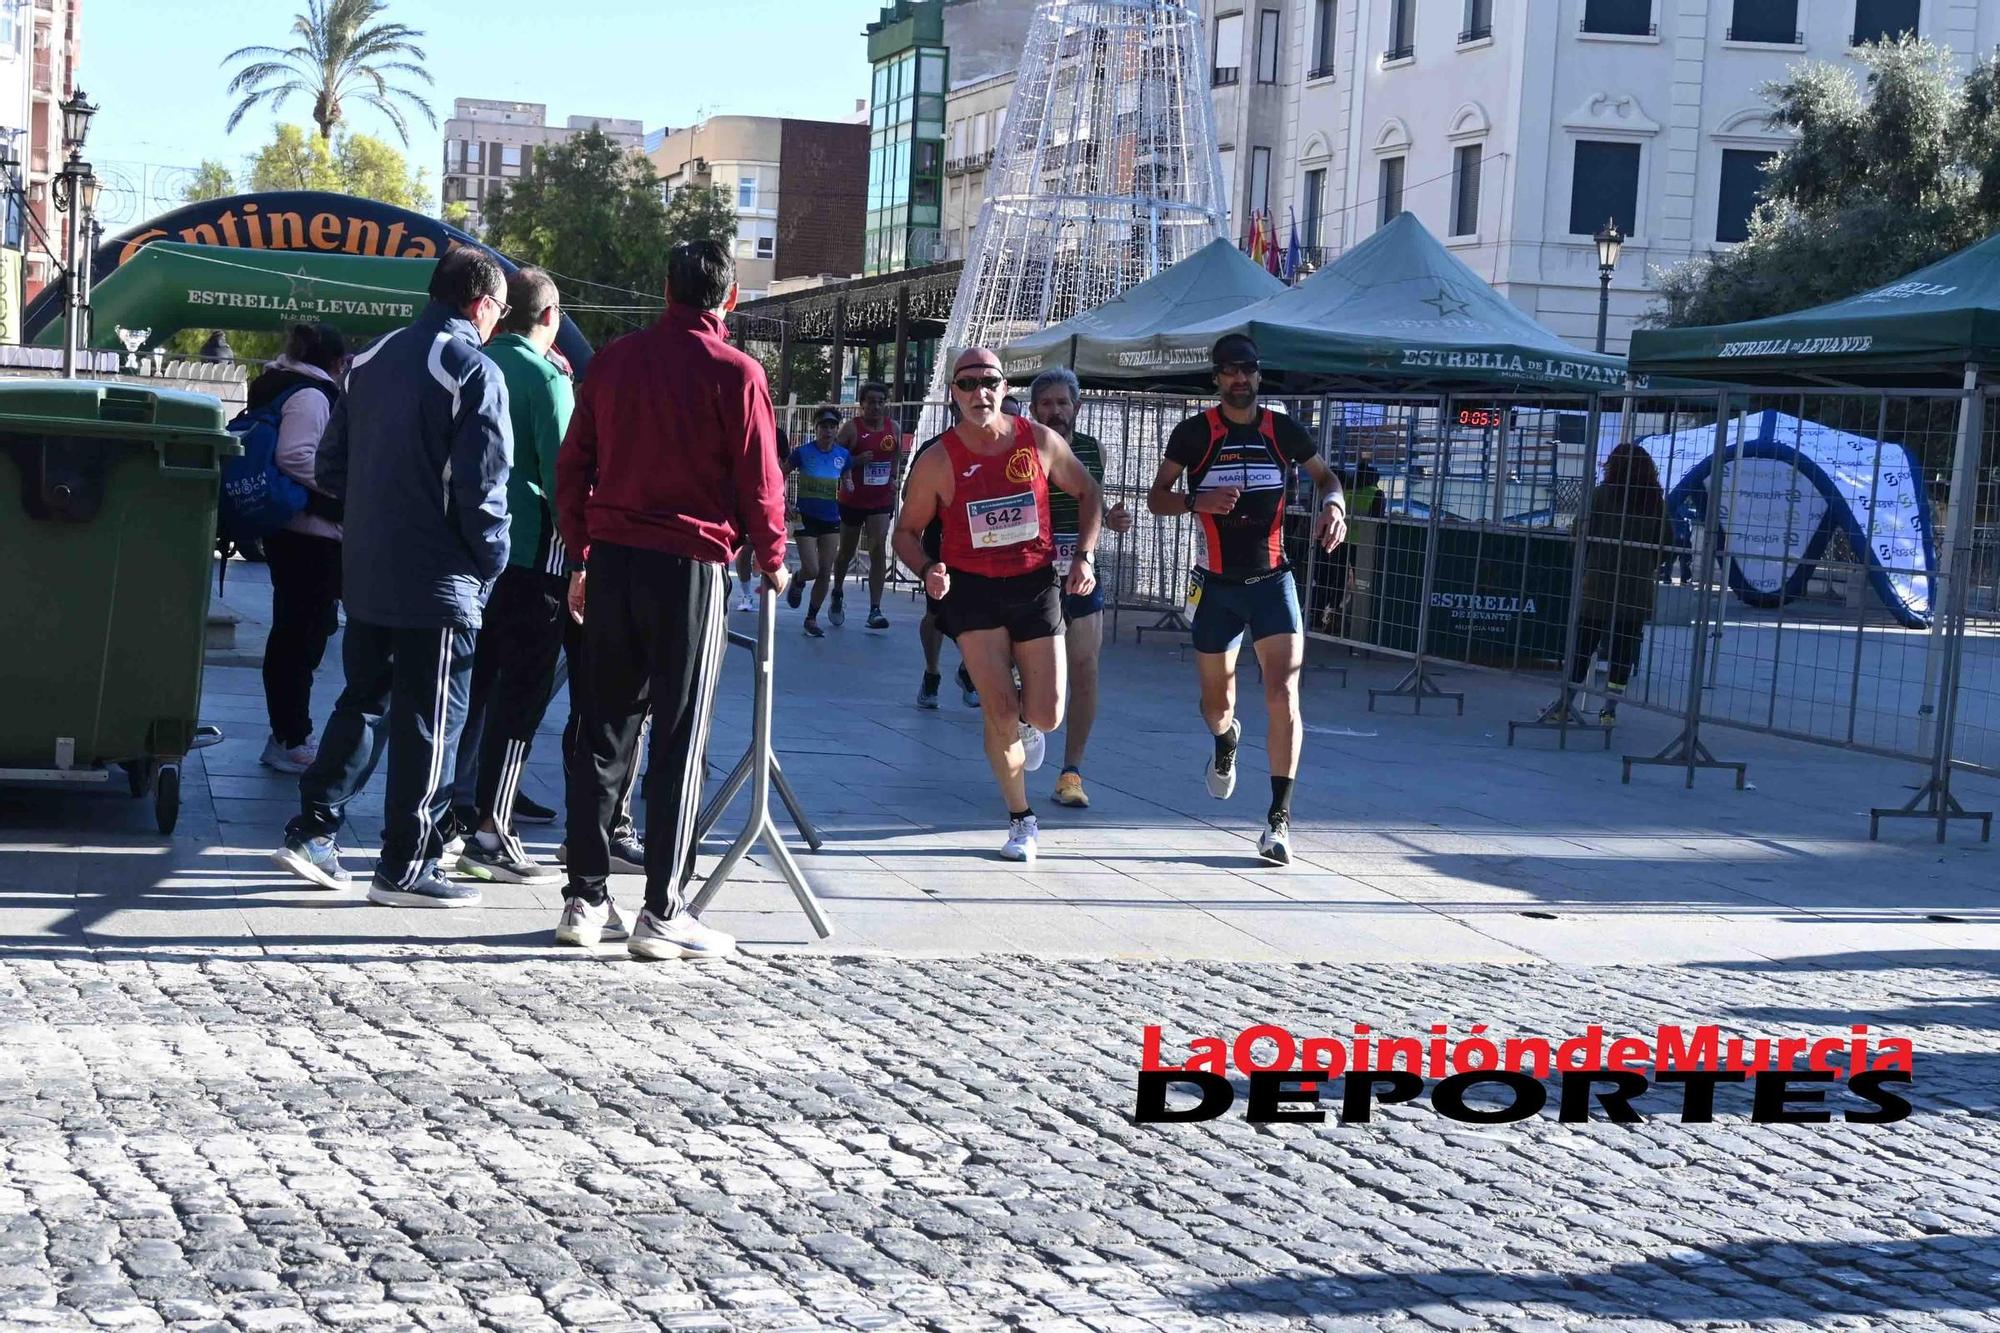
(759, 767)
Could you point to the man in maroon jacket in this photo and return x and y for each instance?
(667, 468)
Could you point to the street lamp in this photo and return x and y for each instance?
(75, 191)
(1609, 239)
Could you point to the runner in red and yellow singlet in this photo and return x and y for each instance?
(988, 484)
(867, 498)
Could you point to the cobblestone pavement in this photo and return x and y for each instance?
(800, 1141)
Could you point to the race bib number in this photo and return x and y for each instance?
(875, 474)
(1006, 521)
(1065, 551)
(1195, 579)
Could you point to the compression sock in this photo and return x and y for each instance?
(1281, 798)
(1225, 747)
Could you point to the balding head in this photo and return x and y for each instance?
(978, 368)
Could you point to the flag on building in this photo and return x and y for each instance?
(1256, 246)
(1294, 256)
(1273, 257)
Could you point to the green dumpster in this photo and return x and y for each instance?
(107, 526)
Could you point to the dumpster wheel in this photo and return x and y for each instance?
(167, 797)
(138, 777)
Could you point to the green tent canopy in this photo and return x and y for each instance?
(1919, 331)
(1398, 312)
(1213, 281)
(168, 286)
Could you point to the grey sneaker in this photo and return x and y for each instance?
(429, 889)
(657, 940)
(966, 690)
(1276, 844)
(293, 759)
(927, 693)
(876, 620)
(837, 613)
(1222, 767)
(314, 860)
(628, 855)
(507, 862)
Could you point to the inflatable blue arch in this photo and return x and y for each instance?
(1688, 497)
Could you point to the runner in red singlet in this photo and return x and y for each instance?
(988, 483)
(867, 499)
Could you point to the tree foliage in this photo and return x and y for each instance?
(812, 370)
(212, 180)
(1884, 178)
(343, 51)
(353, 164)
(591, 212)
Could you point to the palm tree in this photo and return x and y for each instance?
(342, 52)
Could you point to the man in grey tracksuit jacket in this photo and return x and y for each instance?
(419, 447)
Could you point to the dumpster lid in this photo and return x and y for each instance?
(37, 404)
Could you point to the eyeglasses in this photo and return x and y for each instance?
(974, 383)
(504, 307)
(1244, 369)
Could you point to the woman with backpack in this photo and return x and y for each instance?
(298, 389)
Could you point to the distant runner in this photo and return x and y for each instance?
(867, 499)
(989, 481)
(1053, 399)
(1237, 459)
(819, 463)
(930, 631)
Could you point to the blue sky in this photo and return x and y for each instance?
(155, 66)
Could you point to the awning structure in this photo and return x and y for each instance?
(1920, 331)
(1398, 312)
(1214, 281)
(168, 286)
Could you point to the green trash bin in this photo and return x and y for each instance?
(107, 527)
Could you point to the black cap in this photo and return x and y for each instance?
(828, 414)
(1233, 347)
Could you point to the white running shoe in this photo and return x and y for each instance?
(658, 940)
(614, 924)
(295, 759)
(582, 923)
(1022, 834)
(1035, 746)
(1276, 844)
(745, 599)
(1222, 773)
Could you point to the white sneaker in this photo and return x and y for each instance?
(1222, 776)
(1021, 837)
(1035, 746)
(657, 940)
(614, 924)
(296, 759)
(582, 924)
(1276, 844)
(746, 600)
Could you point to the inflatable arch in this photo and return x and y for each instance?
(1787, 485)
(265, 260)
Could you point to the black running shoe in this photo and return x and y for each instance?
(528, 810)
(813, 631)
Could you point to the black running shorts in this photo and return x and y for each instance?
(1027, 606)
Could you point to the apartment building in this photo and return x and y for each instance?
(1514, 131)
(798, 185)
(489, 143)
(40, 45)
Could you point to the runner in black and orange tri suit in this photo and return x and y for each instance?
(988, 480)
(1237, 460)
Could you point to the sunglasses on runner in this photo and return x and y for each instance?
(974, 383)
(1239, 368)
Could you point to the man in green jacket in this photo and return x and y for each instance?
(513, 674)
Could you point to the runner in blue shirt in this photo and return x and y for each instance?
(820, 464)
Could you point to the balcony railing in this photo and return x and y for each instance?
(1881, 35)
(1320, 72)
(1396, 53)
(1478, 34)
(1225, 77)
(1774, 39)
(1649, 30)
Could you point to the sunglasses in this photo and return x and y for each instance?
(974, 383)
(1243, 368)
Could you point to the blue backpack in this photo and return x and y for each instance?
(258, 499)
